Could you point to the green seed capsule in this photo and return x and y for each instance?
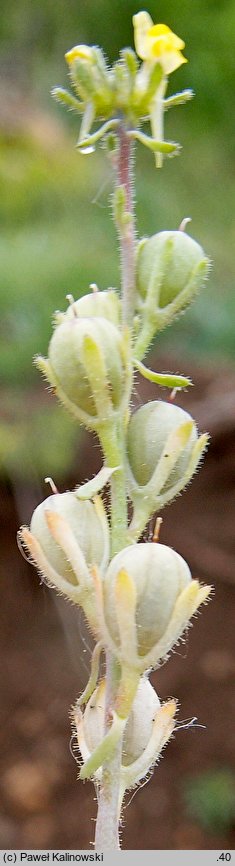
(147, 435)
(167, 264)
(104, 304)
(159, 575)
(86, 366)
(147, 729)
(139, 726)
(83, 520)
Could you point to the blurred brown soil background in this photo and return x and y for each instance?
(45, 657)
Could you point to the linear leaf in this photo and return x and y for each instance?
(92, 487)
(167, 147)
(91, 140)
(166, 380)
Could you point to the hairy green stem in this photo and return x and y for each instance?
(139, 521)
(107, 825)
(126, 229)
(108, 816)
(113, 442)
(144, 339)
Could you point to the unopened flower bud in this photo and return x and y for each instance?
(148, 728)
(79, 52)
(66, 537)
(163, 450)
(87, 365)
(90, 76)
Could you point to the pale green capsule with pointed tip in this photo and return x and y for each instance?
(104, 304)
(139, 726)
(149, 726)
(159, 575)
(88, 365)
(166, 265)
(84, 519)
(148, 431)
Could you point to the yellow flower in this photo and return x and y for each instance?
(157, 43)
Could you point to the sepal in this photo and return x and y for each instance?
(147, 83)
(105, 749)
(163, 724)
(65, 98)
(178, 99)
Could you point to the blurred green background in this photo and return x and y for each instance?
(56, 234)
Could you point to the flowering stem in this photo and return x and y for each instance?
(126, 224)
(108, 817)
(107, 824)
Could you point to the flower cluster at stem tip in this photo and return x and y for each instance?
(134, 91)
(138, 597)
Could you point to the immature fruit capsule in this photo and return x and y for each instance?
(163, 450)
(66, 537)
(147, 435)
(104, 304)
(148, 728)
(170, 269)
(148, 597)
(87, 365)
(169, 265)
(159, 576)
(140, 722)
(84, 520)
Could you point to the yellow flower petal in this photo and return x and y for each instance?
(157, 43)
(79, 52)
(162, 31)
(171, 60)
(142, 23)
